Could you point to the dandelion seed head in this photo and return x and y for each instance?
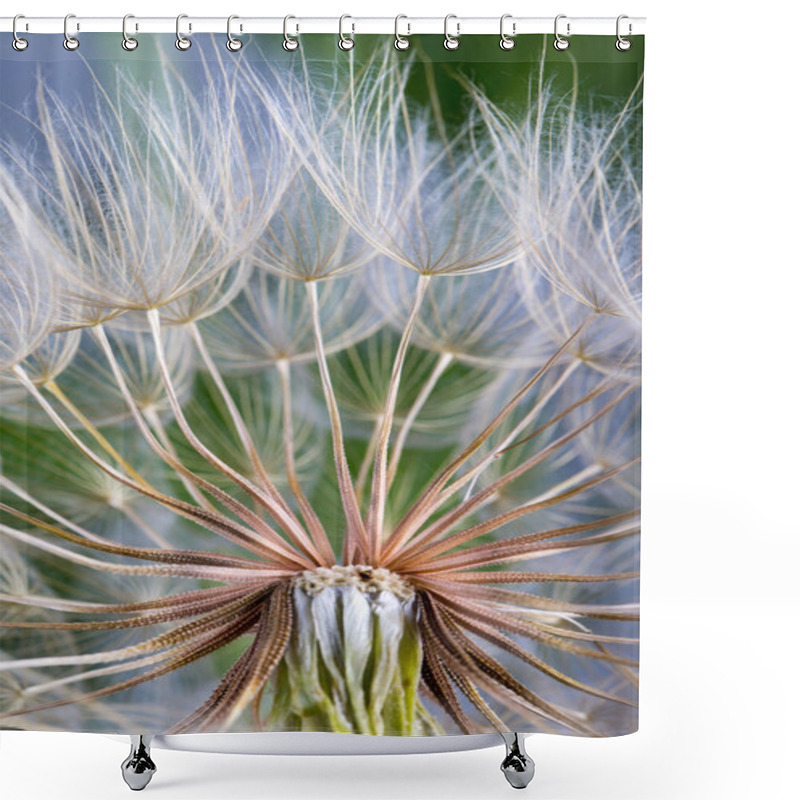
(479, 319)
(260, 399)
(381, 365)
(147, 199)
(191, 307)
(418, 197)
(12, 690)
(28, 280)
(307, 238)
(363, 373)
(268, 322)
(568, 180)
(90, 384)
(17, 578)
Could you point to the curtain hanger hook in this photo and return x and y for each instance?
(70, 42)
(560, 43)
(451, 42)
(18, 43)
(346, 42)
(181, 42)
(128, 42)
(401, 42)
(507, 42)
(233, 44)
(290, 43)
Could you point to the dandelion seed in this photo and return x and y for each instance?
(269, 322)
(569, 182)
(479, 319)
(413, 192)
(142, 197)
(28, 298)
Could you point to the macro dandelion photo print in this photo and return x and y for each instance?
(320, 378)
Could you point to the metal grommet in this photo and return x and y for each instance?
(506, 41)
(233, 44)
(346, 42)
(70, 42)
(290, 43)
(560, 43)
(181, 41)
(401, 42)
(451, 42)
(623, 44)
(18, 43)
(128, 42)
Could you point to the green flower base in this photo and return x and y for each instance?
(353, 662)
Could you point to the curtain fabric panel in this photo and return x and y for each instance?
(320, 385)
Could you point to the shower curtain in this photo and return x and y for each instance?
(320, 385)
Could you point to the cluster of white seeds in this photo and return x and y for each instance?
(369, 580)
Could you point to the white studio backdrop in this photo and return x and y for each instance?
(721, 436)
